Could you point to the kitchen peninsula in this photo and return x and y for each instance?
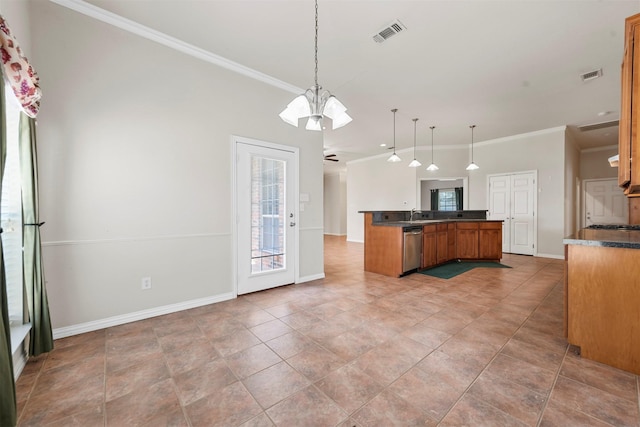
(400, 242)
(602, 295)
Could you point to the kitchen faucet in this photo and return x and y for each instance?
(413, 210)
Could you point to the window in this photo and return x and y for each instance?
(11, 214)
(447, 200)
(267, 235)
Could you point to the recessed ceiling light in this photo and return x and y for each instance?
(603, 113)
(383, 145)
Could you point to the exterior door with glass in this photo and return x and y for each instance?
(266, 182)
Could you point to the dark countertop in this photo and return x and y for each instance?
(628, 239)
(422, 222)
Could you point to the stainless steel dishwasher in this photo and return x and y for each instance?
(412, 248)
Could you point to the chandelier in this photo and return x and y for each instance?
(316, 103)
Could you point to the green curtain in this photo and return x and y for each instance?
(8, 409)
(458, 191)
(434, 199)
(41, 334)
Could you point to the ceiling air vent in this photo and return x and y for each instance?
(595, 126)
(591, 75)
(389, 31)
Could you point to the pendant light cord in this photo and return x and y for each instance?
(472, 126)
(394, 130)
(316, 43)
(432, 128)
(415, 122)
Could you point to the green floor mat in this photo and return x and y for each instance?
(452, 269)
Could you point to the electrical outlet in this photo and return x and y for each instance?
(146, 283)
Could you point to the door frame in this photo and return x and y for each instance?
(535, 201)
(234, 141)
(583, 195)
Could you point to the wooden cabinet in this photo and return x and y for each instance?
(383, 248)
(451, 240)
(441, 242)
(601, 306)
(490, 240)
(429, 246)
(438, 243)
(628, 144)
(479, 240)
(442, 245)
(467, 240)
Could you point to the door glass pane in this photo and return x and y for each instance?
(267, 214)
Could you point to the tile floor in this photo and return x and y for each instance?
(354, 349)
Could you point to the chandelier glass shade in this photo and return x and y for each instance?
(394, 158)
(472, 166)
(432, 166)
(316, 103)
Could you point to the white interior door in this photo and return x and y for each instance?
(605, 203)
(522, 213)
(500, 206)
(512, 200)
(266, 183)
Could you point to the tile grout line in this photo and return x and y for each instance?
(500, 350)
(553, 386)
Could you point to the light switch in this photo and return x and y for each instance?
(304, 197)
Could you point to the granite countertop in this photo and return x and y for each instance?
(628, 239)
(421, 222)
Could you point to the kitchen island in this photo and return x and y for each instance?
(390, 239)
(602, 296)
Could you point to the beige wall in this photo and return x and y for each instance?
(335, 204)
(136, 170)
(594, 163)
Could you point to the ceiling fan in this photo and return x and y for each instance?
(330, 158)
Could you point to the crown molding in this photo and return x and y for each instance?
(150, 34)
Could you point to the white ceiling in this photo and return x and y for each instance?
(509, 67)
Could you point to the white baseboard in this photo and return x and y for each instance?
(334, 234)
(354, 241)
(95, 325)
(310, 278)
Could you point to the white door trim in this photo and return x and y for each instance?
(234, 141)
(535, 201)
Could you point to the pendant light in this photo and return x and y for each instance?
(414, 163)
(315, 103)
(472, 166)
(394, 157)
(432, 166)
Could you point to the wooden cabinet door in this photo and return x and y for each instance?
(624, 133)
(451, 241)
(490, 240)
(467, 240)
(429, 245)
(634, 183)
(442, 246)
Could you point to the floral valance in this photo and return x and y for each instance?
(19, 73)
